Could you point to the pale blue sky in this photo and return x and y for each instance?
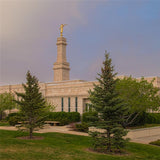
(128, 29)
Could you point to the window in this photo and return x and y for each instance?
(88, 107)
(76, 104)
(69, 103)
(62, 104)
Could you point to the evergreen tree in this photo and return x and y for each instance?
(106, 102)
(33, 107)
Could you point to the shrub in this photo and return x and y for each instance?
(152, 118)
(140, 119)
(83, 127)
(64, 121)
(14, 120)
(74, 116)
(156, 142)
(146, 118)
(89, 116)
(64, 117)
(12, 115)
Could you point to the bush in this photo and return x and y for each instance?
(157, 143)
(146, 118)
(73, 116)
(140, 119)
(13, 118)
(152, 118)
(12, 115)
(83, 127)
(64, 117)
(89, 116)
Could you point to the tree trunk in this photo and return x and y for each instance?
(31, 133)
(109, 140)
(1, 115)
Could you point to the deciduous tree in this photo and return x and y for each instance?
(6, 103)
(139, 95)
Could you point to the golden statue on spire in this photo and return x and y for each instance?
(61, 29)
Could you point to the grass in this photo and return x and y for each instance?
(3, 123)
(157, 143)
(58, 146)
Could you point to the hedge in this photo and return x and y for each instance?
(152, 118)
(146, 118)
(64, 117)
(89, 116)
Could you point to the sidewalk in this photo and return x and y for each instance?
(144, 135)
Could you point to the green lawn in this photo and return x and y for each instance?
(57, 146)
(156, 142)
(4, 123)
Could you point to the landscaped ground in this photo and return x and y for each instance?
(144, 126)
(157, 142)
(58, 146)
(4, 123)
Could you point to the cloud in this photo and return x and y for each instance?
(28, 27)
(24, 15)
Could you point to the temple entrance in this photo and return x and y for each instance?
(87, 105)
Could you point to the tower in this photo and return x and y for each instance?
(61, 66)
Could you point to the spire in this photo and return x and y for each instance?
(61, 66)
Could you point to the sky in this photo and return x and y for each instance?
(128, 29)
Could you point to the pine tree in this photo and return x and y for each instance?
(33, 106)
(106, 102)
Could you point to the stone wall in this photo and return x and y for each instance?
(55, 91)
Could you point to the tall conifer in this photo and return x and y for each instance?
(106, 102)
(33, 106)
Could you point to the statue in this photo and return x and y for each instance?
(61, 28)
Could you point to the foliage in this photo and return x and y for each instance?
(157, 143)
(99, 141)
(145, 118)
(105, 100)
(144, 126)
(6, 103)
(140, 96)
(152, 118)
(89, 116)
(58, 146)
(33, 106)
(138, 119)
(12, 115)
(82, 127)
(4, 123)
(14, 120)
(64, 117)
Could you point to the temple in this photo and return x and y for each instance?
(65, 94)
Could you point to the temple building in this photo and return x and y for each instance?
(65, 94)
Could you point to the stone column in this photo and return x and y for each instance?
(61, 66)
